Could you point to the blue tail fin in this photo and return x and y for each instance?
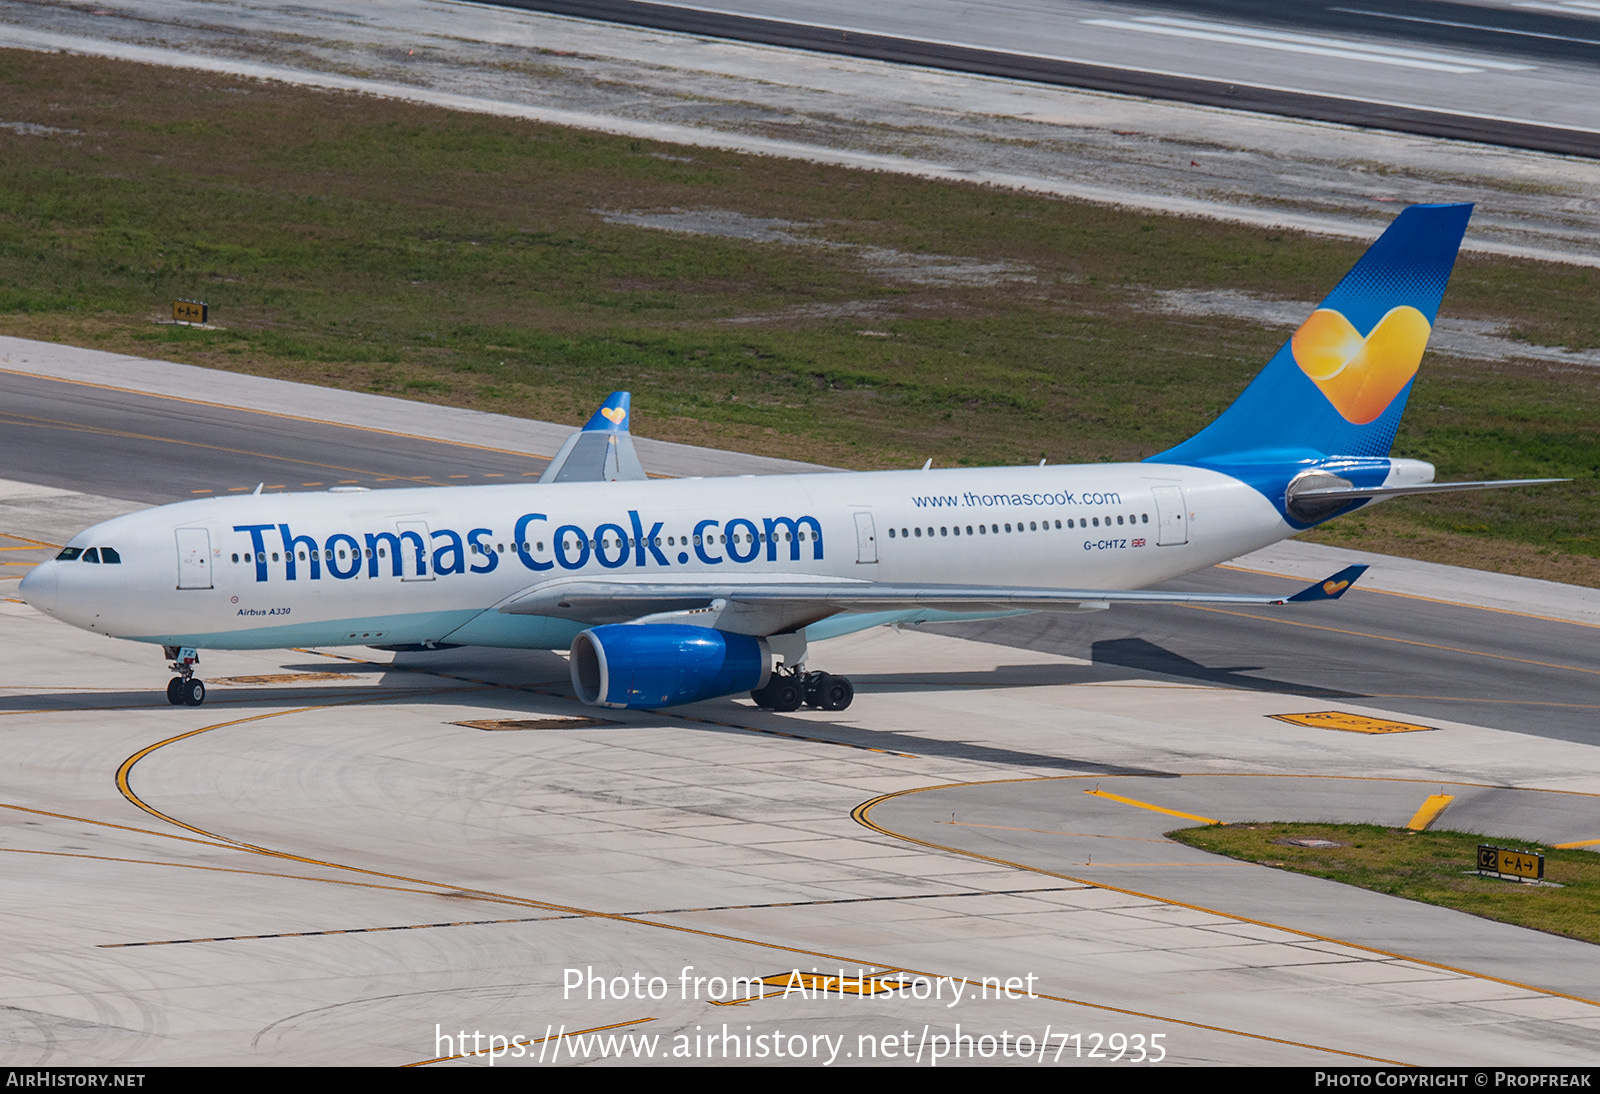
(1339, 385)
(612, 417)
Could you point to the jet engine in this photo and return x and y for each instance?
(664, 664)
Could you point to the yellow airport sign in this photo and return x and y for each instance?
(189, 311)
(1350, 723)
(1498, 860)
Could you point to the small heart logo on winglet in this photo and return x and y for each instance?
(614, 414)
(1334, 588)
(1361, 375)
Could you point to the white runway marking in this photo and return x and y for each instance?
(1595, 12)
(1585, 8)
(1307, 43)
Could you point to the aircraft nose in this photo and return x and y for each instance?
(38, 588)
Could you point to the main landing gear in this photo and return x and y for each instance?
(185, 689)
(785, 691)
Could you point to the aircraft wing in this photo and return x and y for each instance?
(602, 451)
(775, 604)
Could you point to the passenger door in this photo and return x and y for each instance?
(194, 558)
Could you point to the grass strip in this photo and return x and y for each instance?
(1431, 867)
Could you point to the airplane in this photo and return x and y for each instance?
(673, 591)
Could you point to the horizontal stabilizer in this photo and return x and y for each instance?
(1364, 493)
(1328, 589)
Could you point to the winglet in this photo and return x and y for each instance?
(602, 451)
(1331, 588)
(612, 417)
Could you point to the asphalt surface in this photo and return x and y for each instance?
(1466, 72)
(1053, 825)
(1418, 658)
(157, 450)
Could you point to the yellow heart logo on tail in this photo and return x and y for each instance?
(1361, 376)
(614, 414)
(1334, 588)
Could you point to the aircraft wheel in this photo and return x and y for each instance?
(782, 693)
(814, 683)
(835, 693)
(175, 691)
(194, 693)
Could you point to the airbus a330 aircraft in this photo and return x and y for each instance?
(674, 591)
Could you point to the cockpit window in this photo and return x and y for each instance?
(109, 554)
(69, 553)
(92, 555)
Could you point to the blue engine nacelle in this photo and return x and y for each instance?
(664, 664)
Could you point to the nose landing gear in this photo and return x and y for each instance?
(184, 689)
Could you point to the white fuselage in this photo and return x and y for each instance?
(397, 567)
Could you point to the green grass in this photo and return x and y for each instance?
(466, 259)
(1431, 867)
